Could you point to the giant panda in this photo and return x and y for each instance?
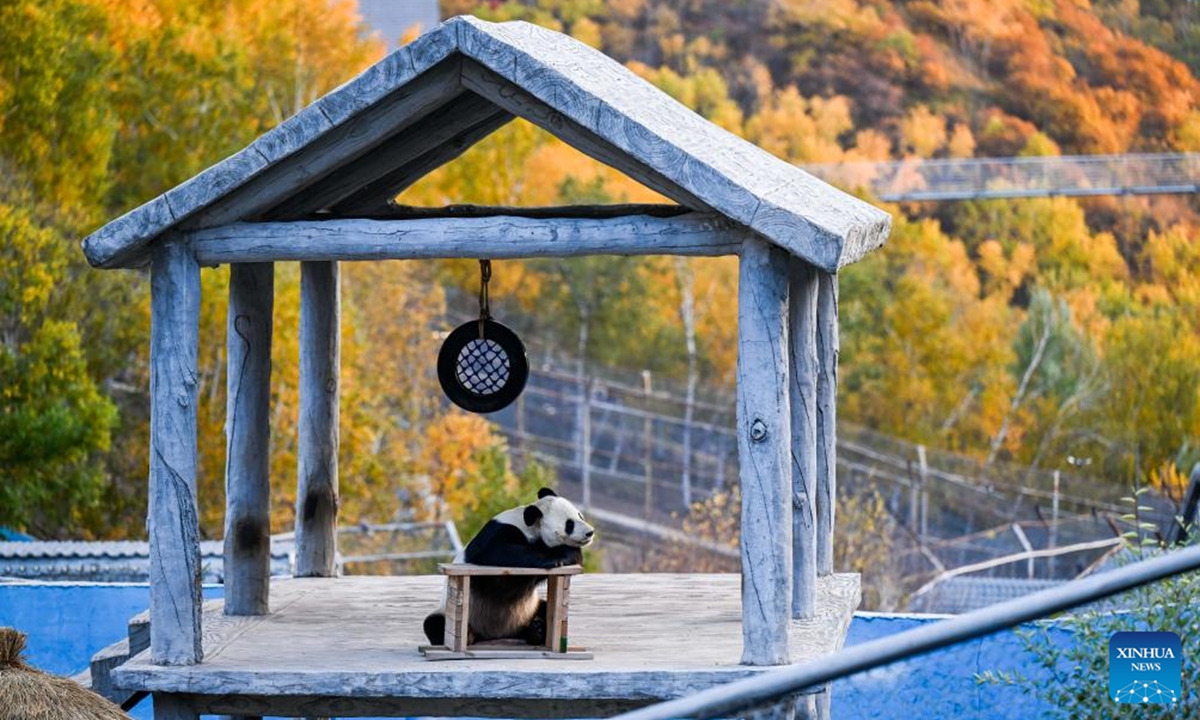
(549, 533)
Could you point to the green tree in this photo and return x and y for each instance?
(54, 420)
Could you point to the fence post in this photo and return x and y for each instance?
(922, 476)
(586, 438)
(1053, 534)
(520, 439)
(648, 445)
(914, 501)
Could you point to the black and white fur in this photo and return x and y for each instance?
(549, 533)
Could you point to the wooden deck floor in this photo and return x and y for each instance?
(348, 646)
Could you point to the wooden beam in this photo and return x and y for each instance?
(516, 100)
(452, 140)
(248, 435)
(320, 363)
(338, 147)
(588, 212)
(827, 363)
(802, 344)
(173, 521)
(492, 237)
(464, 112)
(764, 453)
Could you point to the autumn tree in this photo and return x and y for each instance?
(55, 421)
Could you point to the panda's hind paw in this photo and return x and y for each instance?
(435, 628)
(535, 632)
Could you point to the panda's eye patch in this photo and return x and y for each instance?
(570, 526)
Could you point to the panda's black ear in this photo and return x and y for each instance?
(532, 514)
(546, 492)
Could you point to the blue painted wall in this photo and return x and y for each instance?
(940, 685)
(67, 623)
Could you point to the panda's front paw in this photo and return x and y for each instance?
(535, 632)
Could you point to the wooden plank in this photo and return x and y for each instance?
(802, 344)
(516, 100)
(764, 453)
(320, 365)
(248, 435)
(379, 195)
(441, 138)
(458, 612)
(557, 591)
(437, 128)
(173, 522)
(98, 676)
(353, 641)
(827, 363)
(337, 148)
(493, 237)
(455, 569)
(475, 652)
(308, 706)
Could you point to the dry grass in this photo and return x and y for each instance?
(27, 693)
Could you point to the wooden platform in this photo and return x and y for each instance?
(348, 647)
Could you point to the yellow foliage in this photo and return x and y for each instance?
(962, 142)
(449, 457)
(922, 132)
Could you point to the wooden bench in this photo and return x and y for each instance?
(458, 614)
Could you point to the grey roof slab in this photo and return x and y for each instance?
(781, 202)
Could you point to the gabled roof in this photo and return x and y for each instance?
(426, 103)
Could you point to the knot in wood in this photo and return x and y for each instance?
(758, 431)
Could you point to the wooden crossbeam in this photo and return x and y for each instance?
(484, 237)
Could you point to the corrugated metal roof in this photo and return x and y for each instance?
(112, 561)
(83, 549)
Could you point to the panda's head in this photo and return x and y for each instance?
(557, 522)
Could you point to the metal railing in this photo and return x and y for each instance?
(724, 700)
(1017, 177)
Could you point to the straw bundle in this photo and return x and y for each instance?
(27, 693)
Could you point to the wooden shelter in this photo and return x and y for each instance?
(318, 189)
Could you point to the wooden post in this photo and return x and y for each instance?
(802, 343)
(248, 434)
(558, 590)
(827, 367)
(168, 706)
(317, 499)
(458, 593)
(823, 703)
(173, 522)
(764, 453)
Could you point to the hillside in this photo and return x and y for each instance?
(1023, 331)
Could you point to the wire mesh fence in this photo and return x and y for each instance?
(622, 441)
